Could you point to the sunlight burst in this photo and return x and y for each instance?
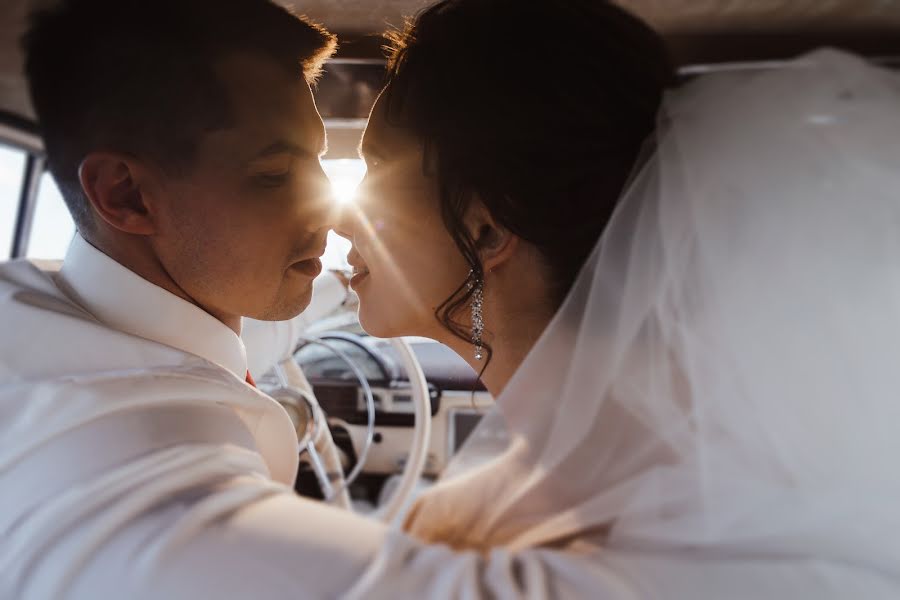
(345, 176)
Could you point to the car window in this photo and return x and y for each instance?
(12, 168)
(52, 228)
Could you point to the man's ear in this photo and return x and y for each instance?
(495, 243)
(112, 183)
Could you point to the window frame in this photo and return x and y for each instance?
(22, 134)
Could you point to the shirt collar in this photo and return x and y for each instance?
(123, 300)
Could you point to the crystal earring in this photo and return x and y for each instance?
(476, 285)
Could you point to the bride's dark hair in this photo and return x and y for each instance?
(539, 109)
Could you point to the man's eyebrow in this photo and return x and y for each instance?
(281, 147)
(286, 147)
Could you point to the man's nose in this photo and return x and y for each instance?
(321, 211)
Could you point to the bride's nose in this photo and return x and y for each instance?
(344, 222)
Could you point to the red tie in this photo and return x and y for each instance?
(250, 379)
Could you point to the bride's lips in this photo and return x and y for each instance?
(359, 275)
(360, 270)
(310, 267)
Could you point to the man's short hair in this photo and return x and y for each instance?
(139, 77)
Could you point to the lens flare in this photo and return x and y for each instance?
(345, 176)
(402, 286)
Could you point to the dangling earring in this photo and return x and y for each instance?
(476, 285)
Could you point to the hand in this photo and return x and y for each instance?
(428, 521)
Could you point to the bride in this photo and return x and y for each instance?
(701, 404)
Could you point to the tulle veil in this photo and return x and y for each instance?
(725, 373)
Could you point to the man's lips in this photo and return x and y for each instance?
(310, 267)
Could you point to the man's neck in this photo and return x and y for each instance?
(139, 259)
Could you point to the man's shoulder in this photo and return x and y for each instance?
(47, 333)
(30, 289)
(38, 275)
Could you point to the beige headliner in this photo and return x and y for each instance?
(666, 15)
(669, 16)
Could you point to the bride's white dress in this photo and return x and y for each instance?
(713, 413)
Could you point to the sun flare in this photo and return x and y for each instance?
(345, 176)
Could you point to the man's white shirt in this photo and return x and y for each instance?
(121, 405)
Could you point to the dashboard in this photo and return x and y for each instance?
(458, 402)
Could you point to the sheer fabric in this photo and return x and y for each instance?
(724, 375)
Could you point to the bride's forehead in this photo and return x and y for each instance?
(385, 134)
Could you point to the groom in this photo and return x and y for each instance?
(186, 143)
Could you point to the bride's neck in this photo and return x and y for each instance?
(514, 318)
(509, 348)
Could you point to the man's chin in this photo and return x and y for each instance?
(285, 309)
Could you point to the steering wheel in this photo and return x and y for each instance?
(296, 395)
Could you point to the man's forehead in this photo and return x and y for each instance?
(269, 105)
(253, 78)
(245, 142)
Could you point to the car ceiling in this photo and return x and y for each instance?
(667, 15)
(698, 30)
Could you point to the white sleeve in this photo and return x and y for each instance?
(287, 548)
(268, 342)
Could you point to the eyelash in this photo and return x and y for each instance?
(272, 181)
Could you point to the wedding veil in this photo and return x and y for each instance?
(725, 373)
